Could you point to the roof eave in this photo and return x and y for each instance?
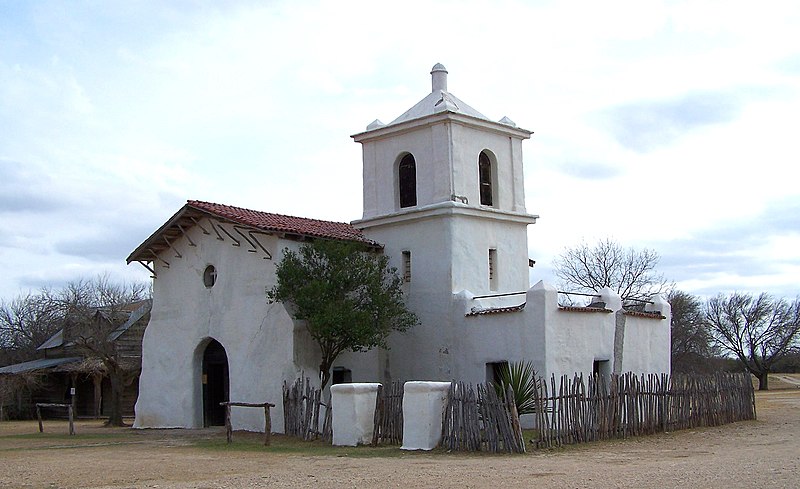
(134, 256)
(143, 252)
(439, 117)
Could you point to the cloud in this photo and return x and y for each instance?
(645, 126)
(790, 65)
(749, 255)
(23, 190)
(113, 243)
(590, 170)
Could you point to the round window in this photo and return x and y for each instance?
(210, 276)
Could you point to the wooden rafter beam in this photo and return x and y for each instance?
(148, 267)
(253, 241)
(219, 236)
(158, 257)
(197, 223)
(177, 253)
(186, 235)
(236, 242)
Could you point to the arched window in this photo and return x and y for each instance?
(407, 181)
(209, 276)
(485, 177)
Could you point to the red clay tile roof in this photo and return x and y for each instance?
(286, 224)
(194, 210)
(583, 309)
(645, 314)
(495, 310)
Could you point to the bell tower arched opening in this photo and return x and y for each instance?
(216, 387)
(487, 178)
(407, 181)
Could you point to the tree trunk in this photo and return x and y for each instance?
(98, 394)
(115, 411)
(763, 381)
(324, 375)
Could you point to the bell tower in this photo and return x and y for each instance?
(444, 192)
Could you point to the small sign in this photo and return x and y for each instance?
(72, 391)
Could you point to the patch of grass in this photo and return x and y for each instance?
(63, 436)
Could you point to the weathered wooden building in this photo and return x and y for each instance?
(65, 373)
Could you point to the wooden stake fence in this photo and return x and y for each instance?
(389, 415)
(301, 411)
(480, 421)
(600, 408)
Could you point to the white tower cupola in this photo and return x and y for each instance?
(447, 181)
(439, 78)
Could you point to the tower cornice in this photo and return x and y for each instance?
(445, 209)
(445, 116)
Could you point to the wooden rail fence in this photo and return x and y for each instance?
(599, 408)
(70, 414)
(267, 418)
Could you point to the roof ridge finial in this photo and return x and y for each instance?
(438, 78)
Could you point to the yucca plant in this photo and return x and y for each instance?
(524, 382)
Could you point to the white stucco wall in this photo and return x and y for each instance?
(258, 337)
(445, 149)
(647, 340)
(558, 341)
(423, 406)
(353, 416)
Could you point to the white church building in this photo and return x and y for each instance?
(443, 194)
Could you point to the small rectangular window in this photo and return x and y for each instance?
(492, 269)
(601, 367)
(406, 266)
(341, 375)
(494, 371)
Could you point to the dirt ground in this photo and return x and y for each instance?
(762, 453)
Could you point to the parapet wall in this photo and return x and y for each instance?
(561, 339)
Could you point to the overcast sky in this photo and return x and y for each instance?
(665, 125)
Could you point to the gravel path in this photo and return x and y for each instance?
(749, 454)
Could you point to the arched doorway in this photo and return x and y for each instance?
(215, 384)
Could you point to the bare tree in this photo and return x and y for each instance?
(630, 272)
(758, 330)
(25, 323)
(94, 310)
(14, 389)
(692, 343)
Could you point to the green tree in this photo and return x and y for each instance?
(759, 331)
(349, 298)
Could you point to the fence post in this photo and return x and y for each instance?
(377, 418)
(515, 424)
(228, 427)
(71, 414)
(267, 425)
(39, 417)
